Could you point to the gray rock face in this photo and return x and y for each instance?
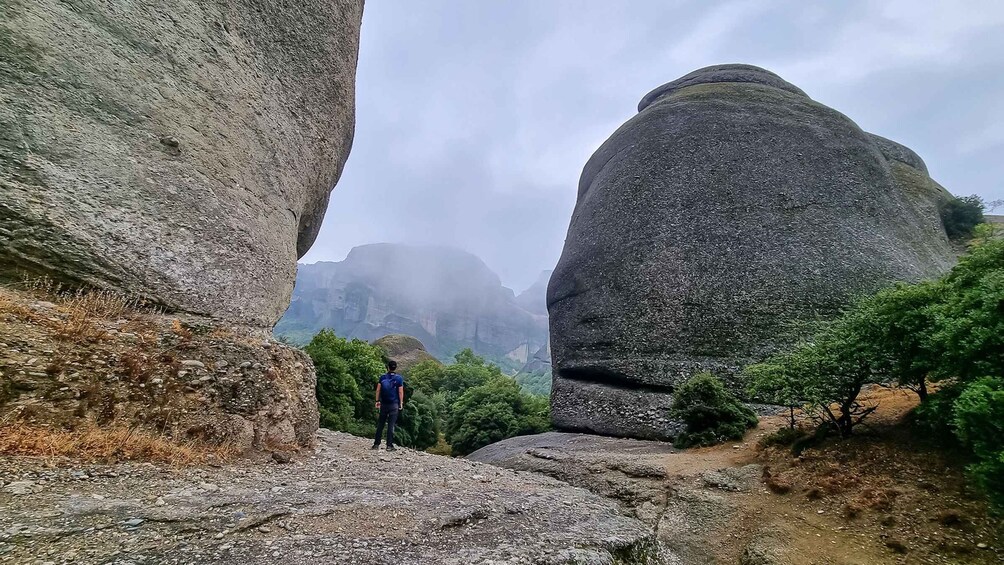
(446, 298)
(179, 150)
(333, 506)
(710, 228)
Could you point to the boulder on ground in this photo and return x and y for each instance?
(711, 229)
(404, 349)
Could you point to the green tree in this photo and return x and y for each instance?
(961, 215)
(427, 376)
(493, 411)
(710, 412)
(979, 424)
(968, 337)
(468, 372)
(418, 426)
(537, 382)
(347, 373)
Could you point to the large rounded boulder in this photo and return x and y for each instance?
(711, 229)
(181, 151)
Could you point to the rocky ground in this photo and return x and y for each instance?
(884, 497)
(342, 504)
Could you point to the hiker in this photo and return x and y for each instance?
(390, 401)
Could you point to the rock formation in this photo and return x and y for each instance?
(182, 151)
(446, 298)
(710, 227)
(534, 298)
(404, 349)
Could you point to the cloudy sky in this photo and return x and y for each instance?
(475, 117)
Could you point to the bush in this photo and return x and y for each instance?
(538, 382)
(961, 215)
(418, 426)
(492, 412)
(979, 425)
(711, 413)
(347, 373)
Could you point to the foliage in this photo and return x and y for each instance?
(418, 425)
(967, 340)
(711, 413)
(979, 424)
(961, 215)
(347, 373)
(949, 330)
(537, 382)
(467, 372)
(426, 376)
(471, 400)
(830, 369)
(494, 411)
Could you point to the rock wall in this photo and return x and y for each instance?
(182, 151)
(447, 298)
(710, 228)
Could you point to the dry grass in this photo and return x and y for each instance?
(79, 312)
(106, 445)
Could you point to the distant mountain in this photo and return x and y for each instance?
(534, 299)
(446, 298)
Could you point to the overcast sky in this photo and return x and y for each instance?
(474, 117)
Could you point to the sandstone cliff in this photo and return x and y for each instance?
(447, 298)
(730, 211)
(182, 151)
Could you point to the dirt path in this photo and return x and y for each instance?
(884, 497)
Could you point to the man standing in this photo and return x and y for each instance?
(390, 401)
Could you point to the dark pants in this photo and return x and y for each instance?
(388, 415)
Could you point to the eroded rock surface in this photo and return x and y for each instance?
(345, 504)
(85, 362)
(692, 503)
(710, 229)
(182, 151)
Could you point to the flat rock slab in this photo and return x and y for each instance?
(629, 470)
(344, 504)
(690, 499)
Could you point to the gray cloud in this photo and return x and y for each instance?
(474, 118)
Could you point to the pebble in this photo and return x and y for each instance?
(133, 522)
(193, 363)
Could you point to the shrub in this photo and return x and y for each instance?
(710, 412)
(347, 373)
(492, 412)
(418, 426)
(979, 424)
(961, 215)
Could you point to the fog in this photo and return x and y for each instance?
(474, 118)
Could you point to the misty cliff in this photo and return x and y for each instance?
(447, 298)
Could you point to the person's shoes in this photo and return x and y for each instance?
(392, 448)
(375, 446)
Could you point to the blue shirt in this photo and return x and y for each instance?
(389, 385)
